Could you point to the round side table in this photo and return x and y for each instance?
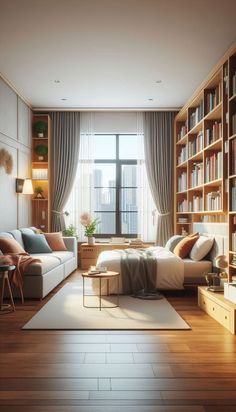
(103, 275)
(4, 278)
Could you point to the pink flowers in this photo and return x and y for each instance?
(85, 219)
(89, 223)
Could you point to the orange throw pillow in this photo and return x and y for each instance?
(10, 246)
(55, 241)
(183, 248)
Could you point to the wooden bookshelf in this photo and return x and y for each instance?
(205, 154)
(40, 173)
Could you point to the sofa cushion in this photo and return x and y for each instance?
(63, 256)
(35, 243)
(17, 236)
(8, 245)
(48, 262)
(55, 241)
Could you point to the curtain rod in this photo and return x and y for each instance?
(106, 109)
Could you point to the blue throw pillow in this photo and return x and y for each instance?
(35, 243)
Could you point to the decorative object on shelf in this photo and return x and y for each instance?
(6, 161)
(90, 226)
(40, 174)
(41, 151)
(39, 192)
(41, 128)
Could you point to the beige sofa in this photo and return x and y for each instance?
(41, 278)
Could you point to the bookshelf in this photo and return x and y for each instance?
(41, 134)
(205, 154)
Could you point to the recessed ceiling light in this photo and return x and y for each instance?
(150, 100)
(64, 99)
(158, 81)
(57, 81)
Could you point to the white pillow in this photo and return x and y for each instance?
(201, 248)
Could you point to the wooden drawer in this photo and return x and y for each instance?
(209, 307)
(225, 319)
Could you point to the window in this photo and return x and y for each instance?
(115, 184)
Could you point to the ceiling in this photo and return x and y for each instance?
(112, 53)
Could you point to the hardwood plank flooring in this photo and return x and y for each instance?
(117, 371)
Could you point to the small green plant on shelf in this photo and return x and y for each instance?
(39, 192)
(40, 128)
(41, 150)
(70, 231)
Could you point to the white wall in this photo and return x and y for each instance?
(115, 122)
(15, 137)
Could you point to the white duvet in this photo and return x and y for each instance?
(170, 269)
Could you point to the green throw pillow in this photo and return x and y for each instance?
(35, 243)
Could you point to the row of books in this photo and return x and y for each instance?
(196, 145)
(182, 220)
(226, 79)
(183, 155)
(233, 195)
(183, 131)
(233, 157)
(214, 167)
(196, 204)
(234, 242)
(182, 206)
(196, 116)
(214, 201)
(234, 84)
(214, 133)
(182, 182)
(196, 175)
(234, 124)
(213, 97)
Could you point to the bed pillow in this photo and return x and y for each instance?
(201, 248)
(185, 245)
(35, 243)
(10, 246)
(172, 242)
(55, 241)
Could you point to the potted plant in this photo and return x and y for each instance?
(41, 150)
(39, 192)
(70, 230)
(90, 225)
(40, 128)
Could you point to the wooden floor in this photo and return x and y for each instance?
(68, 371)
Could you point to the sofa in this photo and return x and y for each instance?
(41, 278)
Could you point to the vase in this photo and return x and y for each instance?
(91, 240)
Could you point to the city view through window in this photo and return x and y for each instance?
(115, 184)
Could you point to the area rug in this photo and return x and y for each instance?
(65, 311)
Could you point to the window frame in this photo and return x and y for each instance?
(118, 165)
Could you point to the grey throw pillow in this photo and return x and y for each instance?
(172, 242)
(35, 243)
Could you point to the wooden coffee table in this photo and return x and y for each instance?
(103, 275)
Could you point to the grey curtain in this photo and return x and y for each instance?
(158, 146)
(64, 160)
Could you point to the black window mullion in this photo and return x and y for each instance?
(118, 183)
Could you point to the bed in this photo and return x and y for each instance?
(172, 272)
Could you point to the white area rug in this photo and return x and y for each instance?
(65, 311)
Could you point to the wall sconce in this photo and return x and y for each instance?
(24, 186)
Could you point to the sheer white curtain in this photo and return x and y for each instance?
(146, 206)
(81, 197)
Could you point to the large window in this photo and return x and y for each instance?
(115, 184)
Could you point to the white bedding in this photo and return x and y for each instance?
(170, 269)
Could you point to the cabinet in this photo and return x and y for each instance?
(219, 308)
(88, 254)
(41, 134)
